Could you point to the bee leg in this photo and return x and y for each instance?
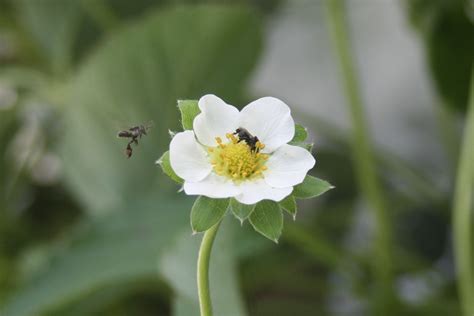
(128, 151)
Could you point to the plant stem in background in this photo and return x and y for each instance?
(449, 135)
(204, 294)
(364, 160)
(463, 214)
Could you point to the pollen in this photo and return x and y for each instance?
(236, 160)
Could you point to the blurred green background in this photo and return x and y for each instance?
(84, 231)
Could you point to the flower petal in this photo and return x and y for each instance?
(216, 119)
(270, 120)
(255, 191)
(288, 166)
(187, 158)
(213, 186)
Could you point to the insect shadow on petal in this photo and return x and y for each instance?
(134, 133)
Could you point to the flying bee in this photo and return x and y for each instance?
(249, 139)
(134, 133)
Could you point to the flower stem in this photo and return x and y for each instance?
(364, 160)
(204, 294)
(463, 218)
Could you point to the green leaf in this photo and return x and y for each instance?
(136, 76)
(165, 165)
(301, 134)
(207, 212)
(447, 29)
(119, 247)
(241, 211)
(53, 26)
(267, 219)
(311, 187)
(189, 109)
(289, 205)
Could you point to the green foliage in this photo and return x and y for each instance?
(53, 25)
(120, 247)
(189, 110)
(139, 62)
(165, 165)
(447, 30)
(207, 212)
(267, 219)
(289, 205)
(241, 211)
(311, 187)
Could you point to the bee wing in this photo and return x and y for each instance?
(121, 126)
(149, 125)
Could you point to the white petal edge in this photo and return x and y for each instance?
(258, 190)
(187, 158)
(213, 186)
(216, 119)
(288, 166)
(270, 120)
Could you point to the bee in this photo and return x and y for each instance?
(249, 139)
(134, 133)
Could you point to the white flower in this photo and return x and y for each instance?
(214, 162)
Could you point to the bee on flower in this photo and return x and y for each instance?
(241, 154)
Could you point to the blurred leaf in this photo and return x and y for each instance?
(311, 187)
(267, 219)
(289, 205)
(137, 76)
(300, 134)
(178, 265)
(165, 165)
(189, 109)
(241, 211)
(207, 212)
(120, 247)
(314, 244)
(448, 31)
(53, 24)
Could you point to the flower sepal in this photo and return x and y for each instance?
(189, 109)
(289, 205)
(267, 219)
(241, 211)
(206, 212)
(164, 163)
(311, 187)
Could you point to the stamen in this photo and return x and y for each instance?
(237, 160)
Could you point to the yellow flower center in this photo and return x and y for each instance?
(237, 160)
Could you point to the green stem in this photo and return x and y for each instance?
(449, 134)
(463, 218)
(204, 294)
(364, 159)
